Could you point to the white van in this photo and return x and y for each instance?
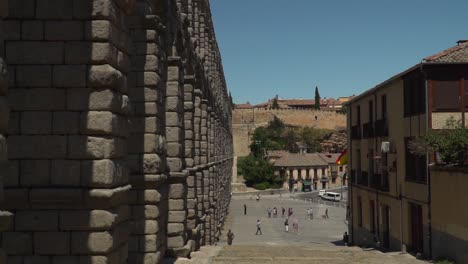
(331, 196)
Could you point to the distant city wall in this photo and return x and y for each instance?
(244, 122)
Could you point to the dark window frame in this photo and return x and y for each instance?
(415, 166)
(414, 94)
(446, 95)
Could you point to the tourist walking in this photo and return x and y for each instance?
(269, 212)
(286, 225)
(282, 211)
(275, 212)
(258, 227)
(326, 213)
(245, 209)
(311, 213)
(230, 237)
(258, 197)
(296, 226)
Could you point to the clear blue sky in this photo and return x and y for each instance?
(287, 47)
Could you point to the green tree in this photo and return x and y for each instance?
(317, 98)
(256, 170)
(275, 105)
(451, 143)
(312, 137)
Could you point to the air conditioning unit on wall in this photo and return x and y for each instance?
(385, 147)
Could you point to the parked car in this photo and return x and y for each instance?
(322, 192)
(331, 196)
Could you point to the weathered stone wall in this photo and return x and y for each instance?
(120, 144)
(5, 217)
(245, 121)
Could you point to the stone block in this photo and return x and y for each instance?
(141, 227)
(173, 73)
(55, 198)
(11, 177)
(174, 229)
(174, 134)
(174, 89)
(145, 63)
(105, 76)
(101, 123)
(175, 242)
(51, 243)
(174, 104)
(149, 243)
(151, 163)
(174, 149)
(66, 173)
(63, 30)
(35, 172)
(144, 94)
(148, 79)
(43, 147)
(17, 199)
(34, 76)
(19, 52)
(104, 173)
(150, 196)
(11, 30)
(65, 122)
(40, 99)
(145, 212)
(145, 125)
(177, 191)
(106, 198)
(174, 164)
(36, 123)
(21, 9)
(99, 30)
(144, 35)
(32, 30)
(77, 52)
(97, 100)
(100, 9)
(69, 76)
(177, 216)
(176, 204)
(94, 220)
(17, 243)
(146, 109)
(92, 242)
(174, 119)
(54, 9)
(87, 147)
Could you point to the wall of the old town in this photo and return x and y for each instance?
(449, 214)
(119, 136)
(245, 121)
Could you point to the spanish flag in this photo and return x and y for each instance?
(343, 158)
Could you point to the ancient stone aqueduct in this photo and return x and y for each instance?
(118, 129)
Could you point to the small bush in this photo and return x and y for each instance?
(267, 185)
(259, 186)
(276, 186)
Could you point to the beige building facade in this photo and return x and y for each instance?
(391, 205)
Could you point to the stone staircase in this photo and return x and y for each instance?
(295, 255)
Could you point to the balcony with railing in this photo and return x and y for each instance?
(381, 128)
(368, 130)
(356, 132)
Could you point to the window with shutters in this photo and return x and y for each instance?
(415, 165)
(414, 92)
(446, 95)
